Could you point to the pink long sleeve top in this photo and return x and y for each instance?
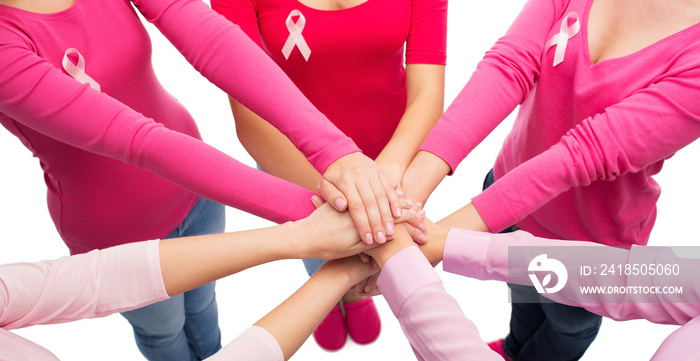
(579, 161)
(355, 71)
(437, 329)
(91, 285)
(123, 164)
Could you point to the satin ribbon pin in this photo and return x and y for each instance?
(295, 38)
(566, 32)
(78, 71)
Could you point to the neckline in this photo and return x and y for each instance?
(586, 45)
(48, 16)
(352, 8)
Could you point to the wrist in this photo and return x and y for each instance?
(435, 248)
(296, 237)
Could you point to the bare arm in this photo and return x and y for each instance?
(292, 322)
(425, 85)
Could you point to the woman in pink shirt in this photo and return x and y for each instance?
(123, 160)
(347, 58)
(438, 330)
(607, 91)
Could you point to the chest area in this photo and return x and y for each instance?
(372, 28)
(107, 35)
(618, 28)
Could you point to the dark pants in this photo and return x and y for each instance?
(543, 330)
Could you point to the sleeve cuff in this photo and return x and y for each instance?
(494, 209)
(405, 273)
(465, 252)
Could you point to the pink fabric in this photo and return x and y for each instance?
(485, 256)
(254, 344)
(91, 144)
(355, 74)
(588, 138)
(91, 285)
(429, 317)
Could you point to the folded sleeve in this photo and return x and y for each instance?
(427, 38)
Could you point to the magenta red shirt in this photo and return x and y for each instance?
(123, 164)
(588, 137)
(355, 71)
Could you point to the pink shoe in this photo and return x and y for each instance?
(362, 320)
(497, 347)
(331, 333)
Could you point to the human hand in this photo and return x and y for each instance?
(382, 254)
(356, 183)
(348, 271)
(329, 234)
(434, 249)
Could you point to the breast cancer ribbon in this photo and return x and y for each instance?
(295, 38)
(78, 71)
(566, 32)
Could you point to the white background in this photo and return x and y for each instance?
(29, 235)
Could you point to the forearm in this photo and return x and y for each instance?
(425, 84)
(272, 150)
(189, 262)
(295, 319)
(423, 175)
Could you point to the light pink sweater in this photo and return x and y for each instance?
(579, 161)
(123, 164)
(437, 329)
(91, 285)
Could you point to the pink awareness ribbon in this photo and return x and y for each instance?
(78, 71)
(566, 32)
(295, 38)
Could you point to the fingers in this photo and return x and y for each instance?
(368, 287)
(417, 235)
(389, 190)
(335, 197)
(316, 200)
(382, 196)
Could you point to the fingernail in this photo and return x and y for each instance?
(315, 199)
(409, 202)
(381, 238)
(368, 238)
(423, 238)
(422, 227)
(389, 229)
(399, 193)
(339, 203)
(398, 212)
(421, 212)
(419, 204)
(318, 186)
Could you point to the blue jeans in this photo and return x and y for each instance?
(542, 330)
(185, 326)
